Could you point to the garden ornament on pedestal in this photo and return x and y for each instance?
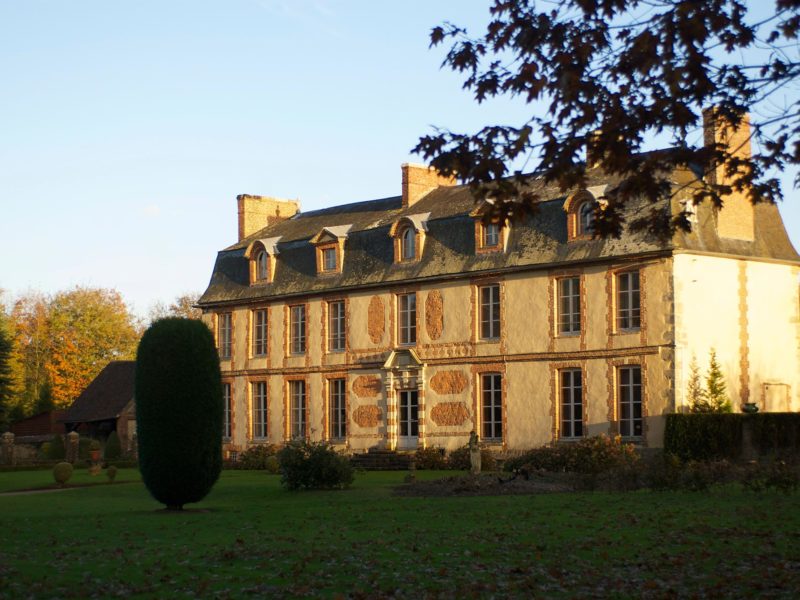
(474, 454)
(73, 439)
(94, 455)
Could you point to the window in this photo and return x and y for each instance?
(260, 332)
(586, 218)
(224, 334)
(336, 339)
(490, 312)
(630, 401)
(492, 405)
(338, 410)
(569, 305)
(407, 307)
(628, 313)
(491, 235)
(297, 328)
(262, 266)
(571, 403)
(408, 244)
(259, 399)
(297, 410)
(226, 410)
(329, 259)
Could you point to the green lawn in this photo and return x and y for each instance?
(254, 539)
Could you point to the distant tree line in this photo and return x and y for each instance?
(53, 346)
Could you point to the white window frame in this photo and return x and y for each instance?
(297, 329)
(262, 265)
(490, 311)
(329, 259)
(491, 235)
(492, 406)
(407, 319)
(260, 329)
(569, 305)
(630, 401)
(586, 218)
(570, 382)
(297, 409)
(628, 301)
(258, 394)
(226, 411)
(337, 406)
(225, 335)
(408, 244)
(336, 326)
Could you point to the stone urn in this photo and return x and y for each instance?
(750, 408)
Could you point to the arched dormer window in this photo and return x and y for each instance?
(262, 265)
(408, 244)
(408, 233)
(581, 208)
(586, 218)
(261, 255)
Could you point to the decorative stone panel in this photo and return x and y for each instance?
(367, 416)
(449, 414)
(449, 382)
(376, 325)
(434, 314)
(367, 386)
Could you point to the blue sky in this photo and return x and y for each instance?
(128, 128)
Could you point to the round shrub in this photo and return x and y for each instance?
(178, 411)
(313, 466)
(255, 458)
(111, 473)
(272, 465)
(429, 459)
(62, 472)
(113, 447)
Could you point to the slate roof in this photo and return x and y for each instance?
(537, 241)
(106, 396)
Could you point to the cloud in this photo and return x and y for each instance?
(152, 211)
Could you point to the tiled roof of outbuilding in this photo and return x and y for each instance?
(106, 396)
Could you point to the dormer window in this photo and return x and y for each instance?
(491, 231)
(329, 242)
(408, 243)
(586, 218)
(491, 235)
(408, 233)
(262, 257)
(262, 266)
(581, 208)
(329, 259)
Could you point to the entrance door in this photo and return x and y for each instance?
(409, 425)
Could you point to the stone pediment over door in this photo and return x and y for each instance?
(404, 370)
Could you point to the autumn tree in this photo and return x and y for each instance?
(604, 77)
(6, 374)
(182, 306)
(30, 319)
(88, 328)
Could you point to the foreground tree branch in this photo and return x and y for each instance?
(612, 74)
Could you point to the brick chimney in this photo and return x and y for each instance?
(419, 180)
(735, 220)
(257, 212)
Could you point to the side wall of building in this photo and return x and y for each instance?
(747, 312)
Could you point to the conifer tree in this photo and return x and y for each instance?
(695, 391)
(716, 391)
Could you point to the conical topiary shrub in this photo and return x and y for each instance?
(113, 447)
(178, 411)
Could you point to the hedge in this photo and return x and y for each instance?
(709, 436)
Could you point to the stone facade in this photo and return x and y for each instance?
(537, 335)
